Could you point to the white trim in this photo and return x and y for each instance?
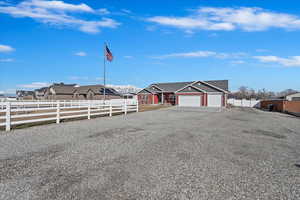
(191, 85)
(143, 93)
(185, 86)
(156, 87)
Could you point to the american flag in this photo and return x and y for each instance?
(108, 54)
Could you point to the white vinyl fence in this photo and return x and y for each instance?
(244, 102)
(17, 112)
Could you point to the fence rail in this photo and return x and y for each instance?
(244, 102)
(15, 113)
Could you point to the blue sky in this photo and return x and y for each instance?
(252, 43)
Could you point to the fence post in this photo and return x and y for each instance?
(57, 112)
(137, 106)
(125, 107)
(7, 127)
(110, 109)
(89, 110)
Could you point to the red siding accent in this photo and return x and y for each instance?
(155, 99)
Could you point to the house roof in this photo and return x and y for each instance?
(223, 84)
(171, 87)
(208, 86)
(21, 93)
(63, 89)
(84, 89)
(43, 89)
(96, 89)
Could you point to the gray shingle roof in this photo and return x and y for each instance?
(63, 89)
(174, 86)
(84, 89)
(223, 84)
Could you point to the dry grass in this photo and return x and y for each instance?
(142, 108)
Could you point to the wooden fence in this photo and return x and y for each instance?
(15, 113)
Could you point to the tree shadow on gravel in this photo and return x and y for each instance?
(260, 132)
(113, 132)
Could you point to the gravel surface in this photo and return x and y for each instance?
(164, 154)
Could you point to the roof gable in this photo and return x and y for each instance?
(205, 86)
(189, 88)
(202, 86)
(222, 84)
(172, 87)
(144, 91)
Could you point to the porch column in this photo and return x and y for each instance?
(152, 98)
(162, 97)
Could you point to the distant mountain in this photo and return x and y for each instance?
(125, 88)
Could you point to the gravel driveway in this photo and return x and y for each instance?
(164, 154)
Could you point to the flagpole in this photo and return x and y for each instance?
(104, 72)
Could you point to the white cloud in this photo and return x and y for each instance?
(126, 11)
(195, 54)
(103, 11)
(99, 78)
(293, 61)
(128, 57)
(78, 78)
(6, 48)
(80, 53)
(237, 62)
(227, 19)
(34, 85)
(6, 60)
(58, 13)
(58, 5)
(261, 50)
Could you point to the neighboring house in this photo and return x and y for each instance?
(129, 95)
(60, 91)
(291, 97)
(94, 92)
(25, 95)
(40, 93)
(190, 94)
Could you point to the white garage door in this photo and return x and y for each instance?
(214, 100)
(189, 100)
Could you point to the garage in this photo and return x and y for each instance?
(214, 100)
(189, 100)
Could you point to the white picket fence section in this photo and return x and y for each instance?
(244, 102)
(16, 112)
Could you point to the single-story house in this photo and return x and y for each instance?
(60, 91)
(40, 93)
(190, 94)
(94, 92)
(25, 95)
